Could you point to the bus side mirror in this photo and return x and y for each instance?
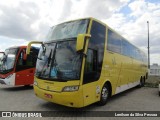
(81, 41)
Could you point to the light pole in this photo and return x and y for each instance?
(148, 46)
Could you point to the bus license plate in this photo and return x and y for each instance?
(48, 95)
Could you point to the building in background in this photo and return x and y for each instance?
(155, 69)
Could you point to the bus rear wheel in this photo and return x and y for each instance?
(141, 83)
(105, 93)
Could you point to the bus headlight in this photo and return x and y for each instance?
(70, 88)
(35, 83)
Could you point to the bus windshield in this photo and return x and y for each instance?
(59, 61)
(8, 60)
(67, 30)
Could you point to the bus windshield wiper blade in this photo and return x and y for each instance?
(44, 48)
(39, 58)
(49, 58)
(46, 63)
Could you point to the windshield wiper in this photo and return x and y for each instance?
(46, 62)
(54, 65)
(53, 62)
(44, 48)
(49, 58)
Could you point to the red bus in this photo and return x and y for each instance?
(16, 68)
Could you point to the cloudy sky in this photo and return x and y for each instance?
(24, 20)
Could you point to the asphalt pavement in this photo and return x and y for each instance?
(136, 99)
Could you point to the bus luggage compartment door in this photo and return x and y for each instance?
(24, 77)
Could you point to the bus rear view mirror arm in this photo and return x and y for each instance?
(29, 46)
(81, 41)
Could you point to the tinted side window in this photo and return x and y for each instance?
(118, 44)
(96, 44)
(29, 63)
(114, 42)
(89, 67)
(132, 51)
(32, 57)
(90, 73)
(125, 48)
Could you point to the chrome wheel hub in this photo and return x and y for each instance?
(104, 93)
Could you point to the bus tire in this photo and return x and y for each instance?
(105, 94)
(144, 81)
(26, 85)
(141, 83)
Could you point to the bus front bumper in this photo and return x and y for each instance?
(70, 99)
(10, 80)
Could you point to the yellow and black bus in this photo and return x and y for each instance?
(84, 61)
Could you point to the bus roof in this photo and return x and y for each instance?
(95, 19)
(22, 47)
(17, 47)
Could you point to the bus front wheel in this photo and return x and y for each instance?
(26, 85)
(105, 93)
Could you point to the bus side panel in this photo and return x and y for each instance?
(89, 93)
(25, 77)
(123, 72)
(126, 70)
(112, 69)
(137, 70)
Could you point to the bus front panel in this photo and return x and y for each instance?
(57, 92)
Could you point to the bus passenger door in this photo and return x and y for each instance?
(90, 77)
(20, 70)
(24, 70)
(93, 65)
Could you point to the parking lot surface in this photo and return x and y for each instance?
(136, 99)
